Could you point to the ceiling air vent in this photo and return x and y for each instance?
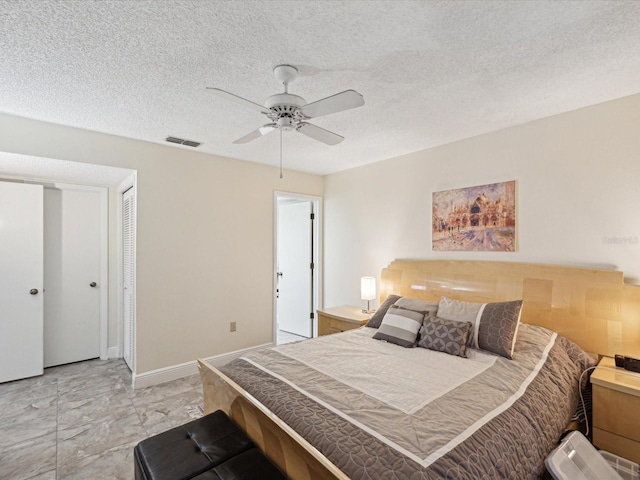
(182, 141)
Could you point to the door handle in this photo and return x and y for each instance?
(33, 291)
(93, 284)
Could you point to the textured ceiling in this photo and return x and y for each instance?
(64, 171)
(430, 72)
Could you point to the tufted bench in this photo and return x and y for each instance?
(209, 448)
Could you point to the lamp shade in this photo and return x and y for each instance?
(368, 288)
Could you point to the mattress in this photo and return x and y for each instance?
(380, 411)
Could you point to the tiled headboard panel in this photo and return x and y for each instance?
(592, 307)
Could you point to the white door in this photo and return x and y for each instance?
(21, 280)
(72, 275)
(294, 268)
(128, 265)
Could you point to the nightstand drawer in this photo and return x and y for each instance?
(621, 446)
(616, 410)
(340, 319)
(333, 325)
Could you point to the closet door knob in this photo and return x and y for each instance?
(93, 284)
(33, 291)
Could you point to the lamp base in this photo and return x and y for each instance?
(367, 310)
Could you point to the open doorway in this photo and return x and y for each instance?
(296, 266)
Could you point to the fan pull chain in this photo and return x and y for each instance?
(280, 152)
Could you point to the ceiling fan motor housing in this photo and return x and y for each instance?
(284, 100)
(285, 110)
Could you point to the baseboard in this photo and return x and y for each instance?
(166, 374)
(113, 352)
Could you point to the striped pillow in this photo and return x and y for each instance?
(376, 318)
(400, 326)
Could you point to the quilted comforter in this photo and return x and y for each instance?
(381, 411)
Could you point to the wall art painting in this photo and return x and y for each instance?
(475, 219)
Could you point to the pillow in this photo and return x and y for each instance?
(460, 311)
(448, 336)
(495, 325)
(499, 326)
(376, 318)
(400, 326)
(428, 308)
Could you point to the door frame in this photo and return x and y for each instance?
(317, 256)
(104, 255)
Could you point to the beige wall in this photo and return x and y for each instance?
(578, 194)
(205, 238)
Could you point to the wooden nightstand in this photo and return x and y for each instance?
(339, 319)
(616, 410)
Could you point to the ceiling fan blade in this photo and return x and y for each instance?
(240, 100)
(336, 103)
(320, 134)
(270, 127)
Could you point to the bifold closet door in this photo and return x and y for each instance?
(72, 276)
(21, 280)
(128, 273)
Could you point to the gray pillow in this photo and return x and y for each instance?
(498, 327)
(495, 325)
(400, 326)
(448, 336)
(376, 318)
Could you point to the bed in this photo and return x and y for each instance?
(373, 409)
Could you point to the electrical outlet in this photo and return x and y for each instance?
(232, 327)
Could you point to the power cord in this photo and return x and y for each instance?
(584, 408)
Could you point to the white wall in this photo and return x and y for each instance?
(578, 197)
(204, 239)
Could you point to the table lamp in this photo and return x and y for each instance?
(367, 291)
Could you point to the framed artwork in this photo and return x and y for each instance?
(475, 219)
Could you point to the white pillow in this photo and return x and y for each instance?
(461, 312)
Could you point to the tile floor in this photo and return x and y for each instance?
(81, 421)
(286, 337)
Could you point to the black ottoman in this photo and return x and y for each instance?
(209, 448)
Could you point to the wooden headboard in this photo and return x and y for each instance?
(592, 307)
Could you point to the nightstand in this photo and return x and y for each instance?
(338, 319)
(616, 410)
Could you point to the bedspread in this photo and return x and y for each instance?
(380, 411)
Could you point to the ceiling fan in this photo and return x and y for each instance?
(287, 112)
